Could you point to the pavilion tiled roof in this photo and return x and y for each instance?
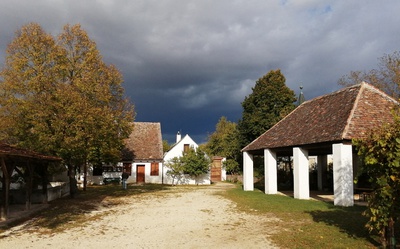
(145, 142)
(343, 115)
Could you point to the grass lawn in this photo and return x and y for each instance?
(307, 223)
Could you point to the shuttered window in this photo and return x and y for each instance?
(154, 169)
(186, 148)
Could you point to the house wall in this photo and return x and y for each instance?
(177, 151)
(186, 179)
(148, 177)
(223, 170)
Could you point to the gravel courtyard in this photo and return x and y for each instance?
(180, 218)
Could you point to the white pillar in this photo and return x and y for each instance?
(301, 174)
(270, 172)
(322, 164)
(248, 179)
(343, 175)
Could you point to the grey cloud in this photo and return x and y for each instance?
(186, 63)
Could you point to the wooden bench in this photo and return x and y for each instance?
(363, 193)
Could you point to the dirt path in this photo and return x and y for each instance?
(182, 218)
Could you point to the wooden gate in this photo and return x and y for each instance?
(216, 169)
(140, 174)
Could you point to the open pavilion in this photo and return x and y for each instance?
(319, 127)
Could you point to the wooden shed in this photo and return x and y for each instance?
(10, 158)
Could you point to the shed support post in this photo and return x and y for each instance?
(343, 175)
(270, 172)
(322, 164)
(5, 190)
(301, 173)
(248, 180)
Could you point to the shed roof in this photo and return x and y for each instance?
(13, 151)
(145, 142)
(343, 115)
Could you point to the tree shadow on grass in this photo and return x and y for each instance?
(349, 220)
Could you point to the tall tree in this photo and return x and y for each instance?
(386, 77)
(270, 101)
(224, 141)
(101, 114)
(28, 87)
(59, 97)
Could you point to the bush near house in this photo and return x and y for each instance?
(193, 163)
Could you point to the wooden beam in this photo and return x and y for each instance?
(29, 184)
(6, 190)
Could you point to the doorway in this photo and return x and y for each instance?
(140, 174)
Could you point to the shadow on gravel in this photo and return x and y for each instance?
(69, 212)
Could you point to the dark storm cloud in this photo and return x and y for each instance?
(187, 63)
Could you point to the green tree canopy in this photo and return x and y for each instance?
(270, 101)
(166, 146)
(195, 162)
(176, 168)
(224, 141)
(386, 76)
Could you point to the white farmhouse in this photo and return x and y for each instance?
(143, 154)
(177, 150)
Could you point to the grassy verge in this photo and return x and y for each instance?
(307, 223)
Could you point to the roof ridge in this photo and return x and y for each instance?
(144, 122)
(379, 91)
(355, 105)
(333, 93)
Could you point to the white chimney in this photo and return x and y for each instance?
(178, 137)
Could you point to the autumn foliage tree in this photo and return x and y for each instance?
(380, 153)
(386, 76)
(59, 97)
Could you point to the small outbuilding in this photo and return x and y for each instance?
(319, 127)
(10, 158)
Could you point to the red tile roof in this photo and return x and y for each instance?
(343, 115)
(145, 142)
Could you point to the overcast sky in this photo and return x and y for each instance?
(186, 63)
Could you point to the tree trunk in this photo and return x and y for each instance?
(390, 240)
(85, 175)
(72, 182)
